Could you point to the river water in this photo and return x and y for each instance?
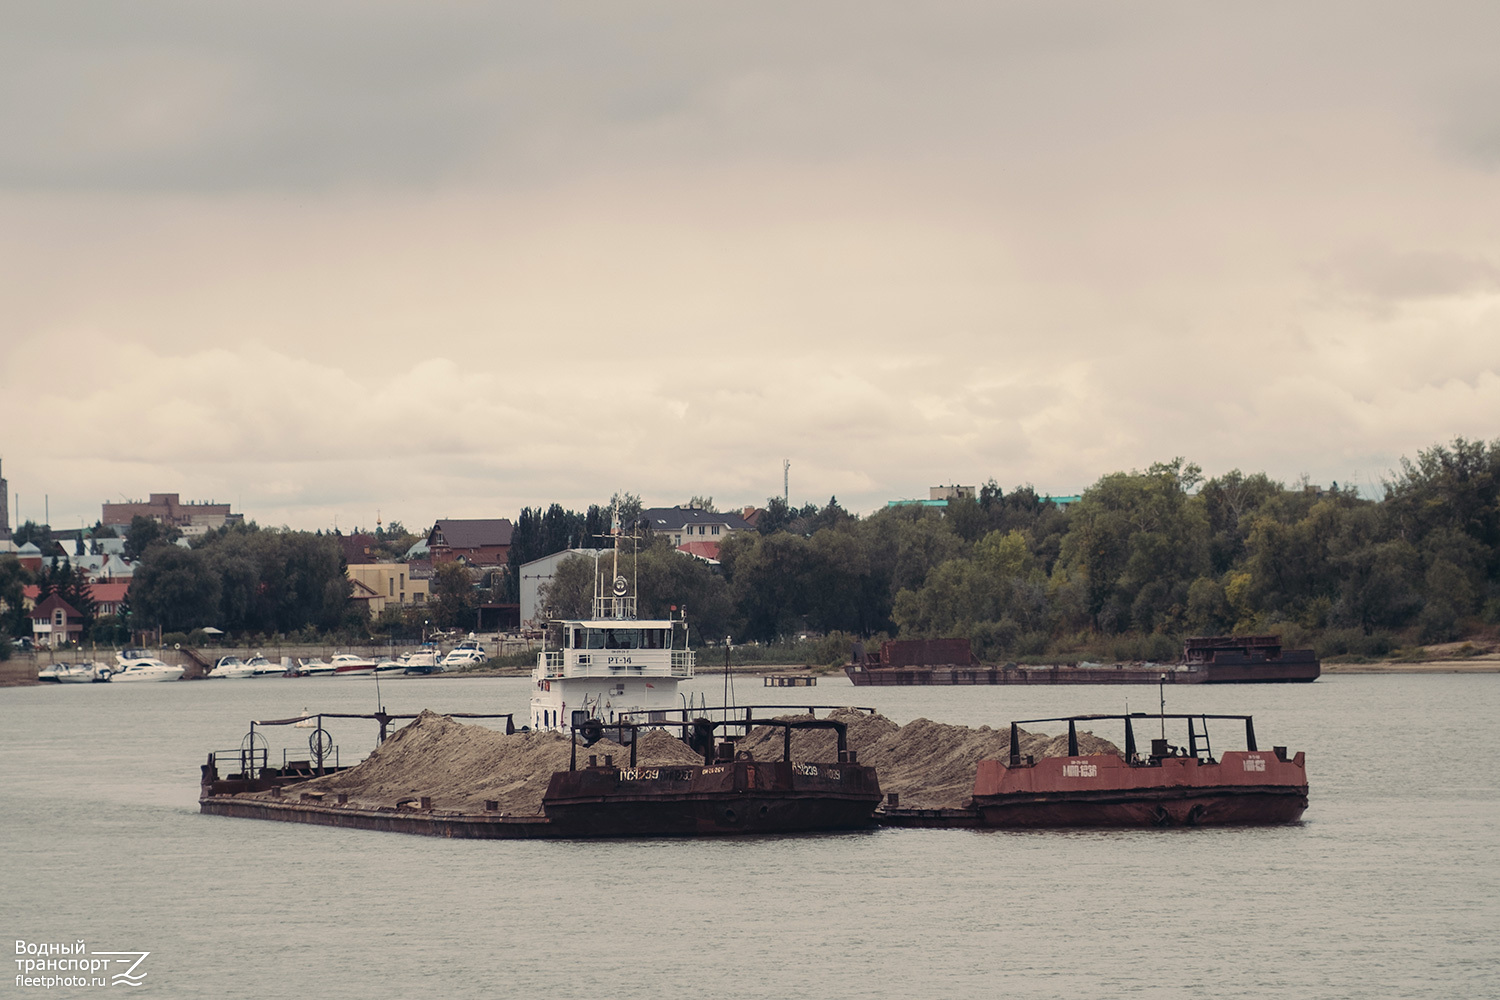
(1390, 887)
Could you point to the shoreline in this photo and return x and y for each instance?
(18, 673)
(1476, 665)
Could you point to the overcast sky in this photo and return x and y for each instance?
(450, 259)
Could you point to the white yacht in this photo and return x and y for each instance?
(425, 659)
(232, 667)
(350, 665)
(76, 673)
(262, 667)
(315, 667)
(613, 666)
(469, 653)
(143, 668)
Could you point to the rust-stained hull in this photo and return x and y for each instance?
(1244, 788)
(732, 798)
(735, 797)
(430, 823)
(1167, 807)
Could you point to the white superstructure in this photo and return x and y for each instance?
(612, 666)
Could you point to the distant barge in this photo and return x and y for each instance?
(1170, 786)
(1251, 659)
(728, 794)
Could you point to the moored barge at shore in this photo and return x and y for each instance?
(1254, 659)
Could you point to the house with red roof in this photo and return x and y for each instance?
(108, 596)
(475, 541)
(55, 621)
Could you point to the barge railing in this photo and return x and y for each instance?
(1158, 746)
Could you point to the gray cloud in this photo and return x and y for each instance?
(456, 258)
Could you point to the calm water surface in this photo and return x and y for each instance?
(1388, 888)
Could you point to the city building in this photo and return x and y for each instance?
(55, 621)
(383, 584)
(937, 496)
(681, 525)
(358, 548)
(30, 556)
(537, 574)
(192, 518)
(477, 542)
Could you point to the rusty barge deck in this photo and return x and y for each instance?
(727, 794)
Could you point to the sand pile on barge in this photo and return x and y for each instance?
(930, 764)
(460, 766)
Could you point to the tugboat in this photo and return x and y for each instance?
(1170, 786)
(613, 667)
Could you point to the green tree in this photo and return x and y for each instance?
(175, 589)
(1230, 503)
(74, 587)
(774, 517)
(145, 532)
(13, 580)
(39, 535)
(1135, 543)
(454, 596)
(570, 593)
(628, 507)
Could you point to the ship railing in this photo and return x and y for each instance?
(700, 734)
(586, 665)
(247, 761)
(682, 662)
(614, 607)
(552, 664)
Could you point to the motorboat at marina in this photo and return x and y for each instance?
(351, 665)
(423, 660)
(469, 653)
(389, 666)
(262, 667)
(74, 673)
(144, 668)
(315, 667)
(231, 667)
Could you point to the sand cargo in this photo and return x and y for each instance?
(440, 777)
(1169, 786)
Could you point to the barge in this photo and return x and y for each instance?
(726, 793)
(729, 794)
(1169, 786)
(1254, 659)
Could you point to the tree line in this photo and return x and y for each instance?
(1143, 559)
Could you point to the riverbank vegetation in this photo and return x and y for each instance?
(1141, 560)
